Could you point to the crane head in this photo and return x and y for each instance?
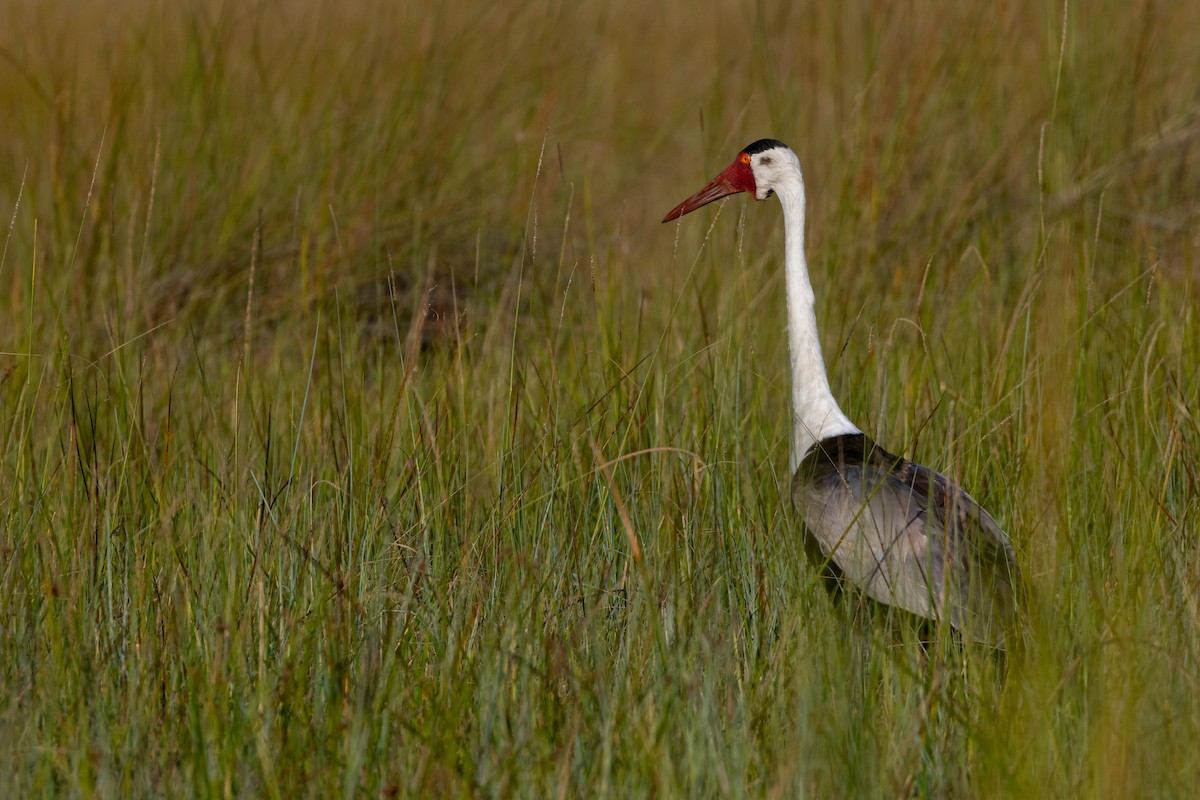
(754, 170)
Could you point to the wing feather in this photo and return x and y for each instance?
(907, 536)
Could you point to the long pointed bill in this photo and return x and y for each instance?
(736, 178)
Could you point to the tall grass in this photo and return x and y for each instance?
(363, 433)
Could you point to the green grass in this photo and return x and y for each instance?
(344, 363)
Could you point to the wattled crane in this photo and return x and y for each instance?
(900, 532)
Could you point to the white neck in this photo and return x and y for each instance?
(815, 414)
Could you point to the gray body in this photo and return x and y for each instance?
(906, 536)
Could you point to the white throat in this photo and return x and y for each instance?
(815, 414)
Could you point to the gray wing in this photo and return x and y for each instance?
(908, 537)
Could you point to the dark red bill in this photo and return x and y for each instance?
(737, 177)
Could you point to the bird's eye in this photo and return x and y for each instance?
(744, 158)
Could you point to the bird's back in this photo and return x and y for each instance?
(906, 536)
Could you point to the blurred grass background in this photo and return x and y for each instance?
(344, 363)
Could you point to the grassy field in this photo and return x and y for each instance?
(363, 433)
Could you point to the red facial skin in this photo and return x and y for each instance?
(737, 177)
